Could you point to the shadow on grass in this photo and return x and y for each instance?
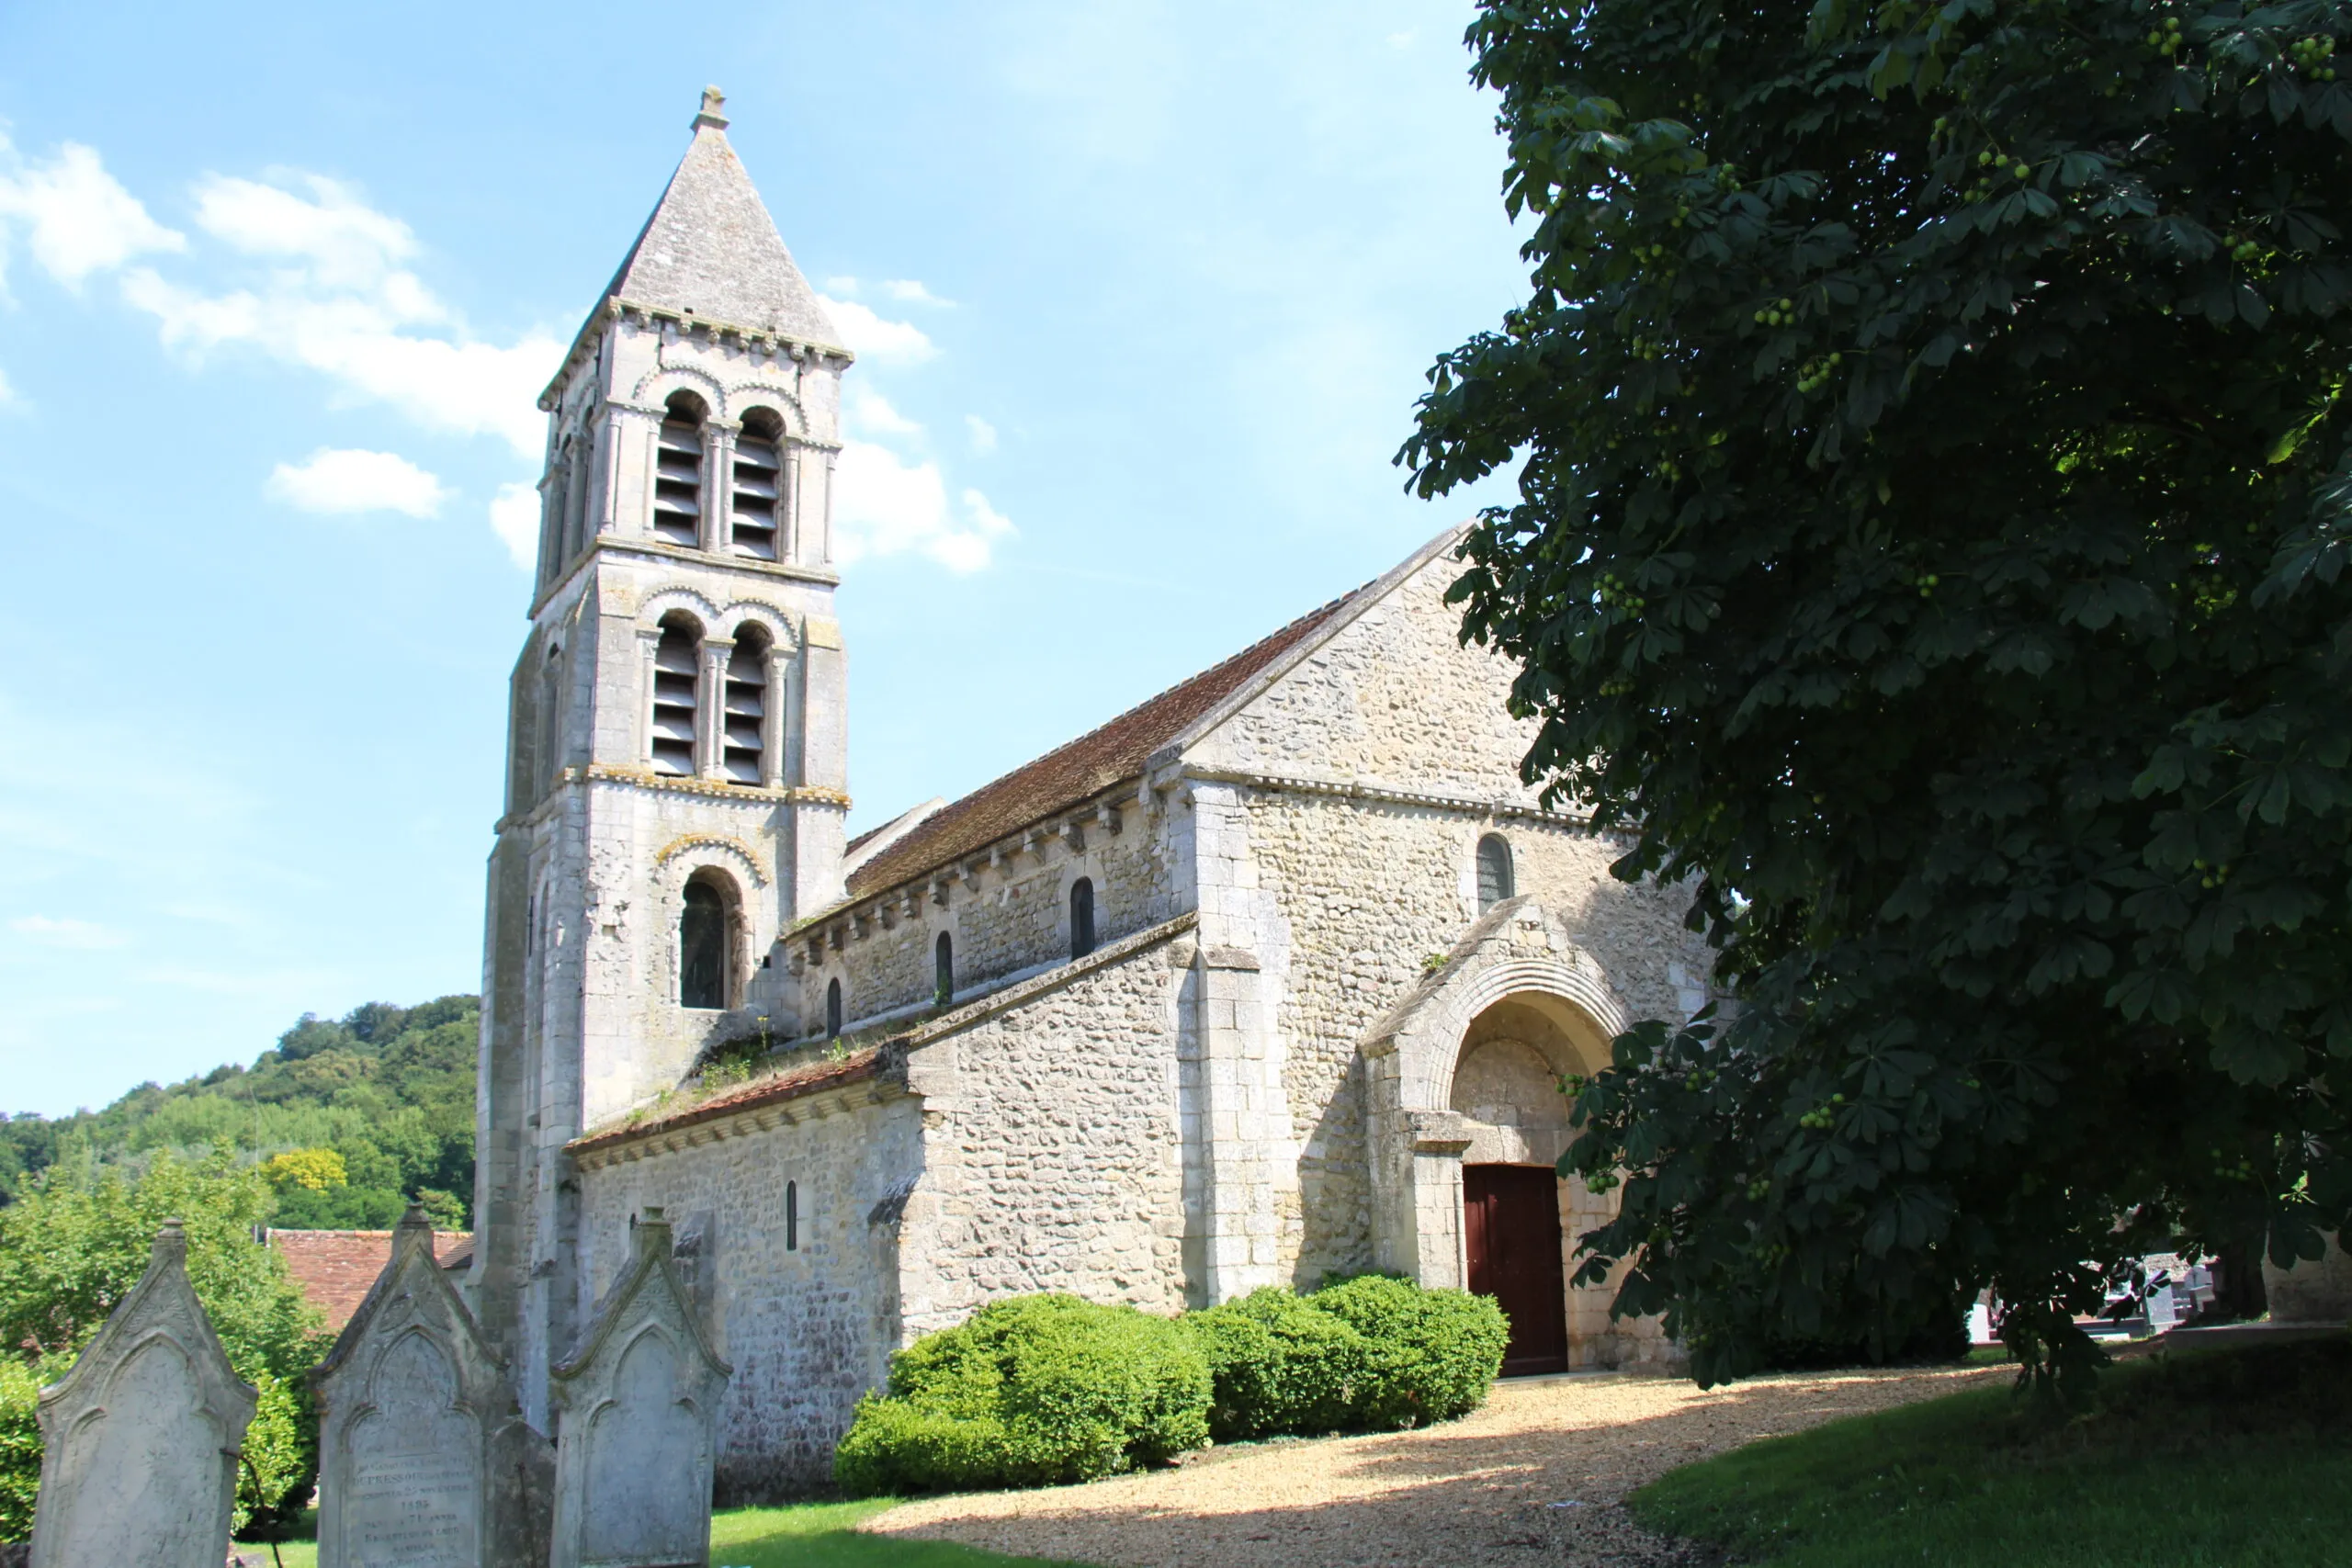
(2238, 1454)
(824, 1535)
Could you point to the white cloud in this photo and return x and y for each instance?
(983, 434)
(906, 290)
(870, 413)
(59, 932)
(891, 506)
(1404, 39)
(8, 392)
(846, 287)
(878, 336)
(81, 219)
(514, 518)
(348, 479)
(339, 301)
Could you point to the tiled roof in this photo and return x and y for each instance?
(815, 1078)
(1085, 767)
(335, 1268)
(710, 251)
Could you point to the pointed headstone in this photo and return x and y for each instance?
(424, 1459)
(636, 1423)
(143, 1437)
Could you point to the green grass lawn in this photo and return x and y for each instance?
(809, 1535)
(2238, 1456)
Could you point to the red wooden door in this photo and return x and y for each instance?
(1511, 1226)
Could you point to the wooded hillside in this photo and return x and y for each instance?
(347, 1118)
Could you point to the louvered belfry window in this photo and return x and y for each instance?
(675, 676)
(677, 475)
(759, 484)
(747, 688)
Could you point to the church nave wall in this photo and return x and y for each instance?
(1053, 1160)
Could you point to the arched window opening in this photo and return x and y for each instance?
(677, 473)
(832, 1009)
(759, 485)
(792, 1216)
(1494, 882)
(702, 948)
(677, 669)
(1081, 917)
(746, 721)
(943, 968)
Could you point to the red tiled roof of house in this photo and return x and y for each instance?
(335, 1268)
(1086, 766)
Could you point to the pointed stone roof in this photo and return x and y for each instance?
(711, 253)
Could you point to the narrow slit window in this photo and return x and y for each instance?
(1495, 881)
(1081, 917)
(677, 660)
(747, 688)
(702, 948)
(677, 474)
(832, 1010)
(792, 1216)
(943, 966)
(759, 485)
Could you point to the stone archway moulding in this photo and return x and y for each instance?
(1516, 949)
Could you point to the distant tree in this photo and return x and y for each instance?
(1930, 543)
(312, 1170)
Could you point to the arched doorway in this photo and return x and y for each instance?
(1515, 1210)
(1468, 1120)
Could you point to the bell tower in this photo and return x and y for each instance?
(676, 741)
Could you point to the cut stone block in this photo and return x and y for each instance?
(143, 1434)
(424, 1459)
(636, 1411)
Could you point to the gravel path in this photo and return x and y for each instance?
(1487, 1489)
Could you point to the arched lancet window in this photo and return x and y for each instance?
(832, 1009)
(1081, 917)
(677, 473)
(746, 712)
(792, 1216)
(759, 484)
(702, 947)
(943, 969)
(677, 673)
(1494, 882)
(550, 710)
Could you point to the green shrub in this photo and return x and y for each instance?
(1279, 1363)
(19, 1449)
(1429, 1355)
(1029, 1391)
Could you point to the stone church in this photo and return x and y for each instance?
(1267, 978)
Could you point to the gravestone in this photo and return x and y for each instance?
(143, 1434)
(424, 1459)
(637, 1408)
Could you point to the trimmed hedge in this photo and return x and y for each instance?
(1031, 1392)
(1279, 1364)
(1429, 1355)
(1043, 1390)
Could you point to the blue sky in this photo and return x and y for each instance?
(1143, 294)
